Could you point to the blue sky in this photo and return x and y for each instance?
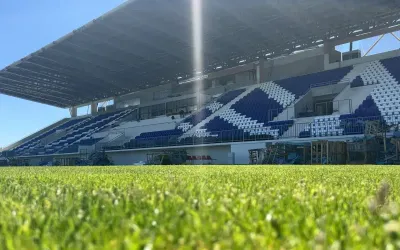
(28, 25)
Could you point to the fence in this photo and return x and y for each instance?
(281, 114)
(350, 126)
(322, 84)
(327, 108)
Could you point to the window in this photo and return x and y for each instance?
(161, 94)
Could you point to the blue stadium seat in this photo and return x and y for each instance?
(301, 84)
(229, 96)
(257, 105)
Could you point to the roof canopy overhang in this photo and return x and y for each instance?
(145, 43)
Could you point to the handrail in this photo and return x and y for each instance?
(353, 126)
(327, 83)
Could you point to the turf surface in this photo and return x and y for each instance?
(220, 207)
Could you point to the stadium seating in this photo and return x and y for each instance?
(89, 142)
(357, 82)
(160, 133)
(250, 114)
(31, 144)
(301, 84)
(196, 118)
(255, 106)
(382, 104)
(205, 112)
(160, 138)
(384, 101)
(85, 130)
(392, 66)
(75, 147)
(323, 126)
(250, 117)
(79, 133)
(229, 96)
(224, 130)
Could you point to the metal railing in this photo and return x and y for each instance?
(280, 116)
(327, 83)
(352, 126)
(327, 108)
(225, 136)
(335, 105)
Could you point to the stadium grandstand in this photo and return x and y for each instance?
(242, 74)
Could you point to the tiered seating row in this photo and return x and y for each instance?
(251, 117)
(205, 112)
(257, 105)
(229, 96)
(383, 104)
(393, 67)
(279, 94)
(301, 84)
(195, 119)
(253, 113)
(81, 132)
(374, 73)
(35, 141)
(323, 126)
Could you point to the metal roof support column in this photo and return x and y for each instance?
(260, 71)
(328, 48)
(373, 45)
(263, 76)
(326, 61)
(73, 111)
(93, 107)
(214, 83)
(394, 35)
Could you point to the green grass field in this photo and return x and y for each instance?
(221, 207)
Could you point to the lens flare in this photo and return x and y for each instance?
(197, 30)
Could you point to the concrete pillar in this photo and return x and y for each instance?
(213, 83)
(326, 61)
(93, 108)
(73, 111)
(328, 48)
(260, 71)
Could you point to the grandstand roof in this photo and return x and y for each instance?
(144, 43)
